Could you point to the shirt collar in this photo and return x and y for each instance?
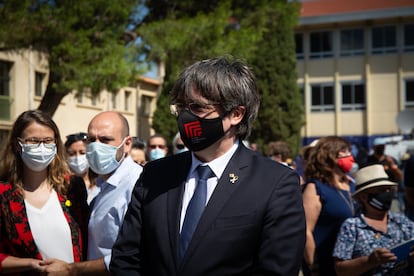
(363, 224)
(217, 165)
(120, 172)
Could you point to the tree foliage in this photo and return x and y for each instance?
(259, 32)
(84, 40)
(281, 113)
(88, 47)
(183, 32)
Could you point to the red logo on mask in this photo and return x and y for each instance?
(193, 129)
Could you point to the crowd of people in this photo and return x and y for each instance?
(106, 202)
(348, 198)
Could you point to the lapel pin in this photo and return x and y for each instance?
(233, 178)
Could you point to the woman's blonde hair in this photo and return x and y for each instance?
(11, 163)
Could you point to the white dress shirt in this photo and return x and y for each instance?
(217, 166)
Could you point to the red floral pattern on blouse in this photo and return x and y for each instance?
(16, 238)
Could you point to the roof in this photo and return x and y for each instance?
(328, 11)
(149, 80)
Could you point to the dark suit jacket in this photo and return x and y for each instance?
(254, 226)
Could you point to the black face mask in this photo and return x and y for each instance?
(381, 201)
(379, 150)
(199, 133)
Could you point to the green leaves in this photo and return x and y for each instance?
(257, 31)
(83, 40)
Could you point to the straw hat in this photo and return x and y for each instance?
(371, 176)
(379, 141)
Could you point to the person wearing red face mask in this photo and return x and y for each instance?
(327, 200)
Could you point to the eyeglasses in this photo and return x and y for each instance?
(37, 141)
(179, 146)
(195, 108)
(81, 136)
(157, 146)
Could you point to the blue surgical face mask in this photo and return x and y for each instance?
(156, 153)
(102, 157)
(37, 157)
(78, 164)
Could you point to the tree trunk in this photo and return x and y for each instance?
(52, 98)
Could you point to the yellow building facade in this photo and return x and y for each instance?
(23, 81)
(355, 64)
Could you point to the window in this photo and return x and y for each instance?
(114, 100)
(127, 100)
(95, 99)
(79, 97)
(299, 46)
(409, 94)
(352, 42)
(353, 96)
(384, 40)
(409, 38)
(322, 98)
(146, 105)
(39, 89)
(321, 45)
(5, 99)
(5, 68)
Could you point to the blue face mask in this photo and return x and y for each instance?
(156, 153)
(38, 157)
(102, 157)
(78, 164)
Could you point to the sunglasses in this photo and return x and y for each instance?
(179, 146)
(138, 143)
(81, 136)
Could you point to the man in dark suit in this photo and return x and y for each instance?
(252, 220)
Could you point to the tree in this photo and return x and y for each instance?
(186, 32)
(281, 115)
(84, 40)
(259, 32)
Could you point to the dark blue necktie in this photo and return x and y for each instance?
(195, 208)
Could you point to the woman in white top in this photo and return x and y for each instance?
(41, 212)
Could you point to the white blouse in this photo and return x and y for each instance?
(50, 229)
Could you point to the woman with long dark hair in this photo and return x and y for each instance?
(40, 211)
(327, 200)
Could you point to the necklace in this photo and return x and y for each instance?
(348, 200)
